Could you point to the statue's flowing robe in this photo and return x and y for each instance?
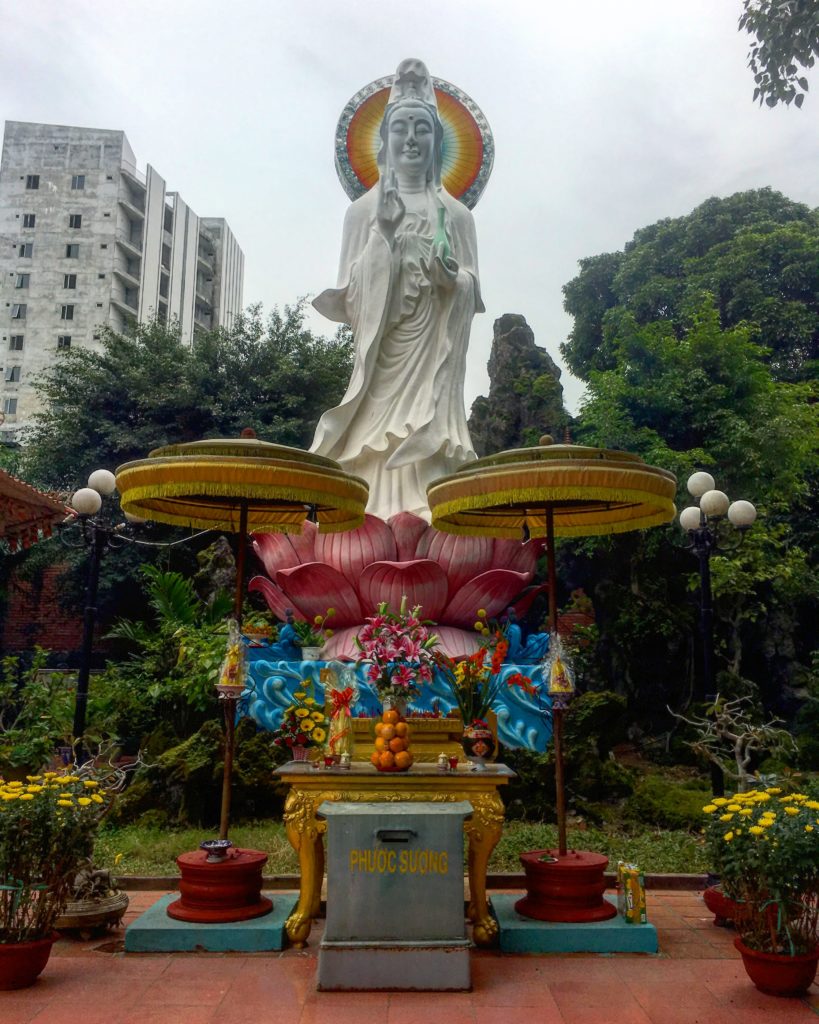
(402, 421)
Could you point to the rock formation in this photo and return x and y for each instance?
(525, 394)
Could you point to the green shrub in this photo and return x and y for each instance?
(659, 801)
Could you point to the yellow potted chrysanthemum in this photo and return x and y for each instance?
(765, 846)
(48, 823)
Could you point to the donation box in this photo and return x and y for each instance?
(395, 896)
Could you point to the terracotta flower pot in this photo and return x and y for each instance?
(21, 963)
(721, 906)
(776, 973)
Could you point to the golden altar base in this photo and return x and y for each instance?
(309, 787)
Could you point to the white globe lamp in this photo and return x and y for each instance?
(86, 501)
(103, 481)
(741, 514)
(714, 504)
(699, 483)
(690, 518)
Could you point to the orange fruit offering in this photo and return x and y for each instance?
(403, 759)
(397, 744)
(387, 760)
(391, 716)
(380, 745)
(375, 758)
(378, 727)
(401, 728)
(387, 732)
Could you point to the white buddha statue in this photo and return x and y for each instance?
(408, 286)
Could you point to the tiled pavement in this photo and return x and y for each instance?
(697, 979)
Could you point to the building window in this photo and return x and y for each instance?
(69, 280)
(63, 341)
(66, 312)
(18, 311)
(104, 245)
(96, 337)
(23, 280)
(32, 181)
(72, 252)
(16, 343)
(12, 374)
(78, 181)
(101, 277)
(25, 250)
(28, 220)
(10, 406)
(75, 220)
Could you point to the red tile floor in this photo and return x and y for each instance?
(696, 979)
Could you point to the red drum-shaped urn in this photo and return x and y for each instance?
(216, 893)
(565, 888)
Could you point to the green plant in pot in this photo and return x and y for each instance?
(765, 846)
(48, 824)
(311, 636)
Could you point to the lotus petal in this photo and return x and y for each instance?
(512, 554)
(492, 591)
(524, 603)
(315, 587)
(457, 643)
(422, 581)
(351, 551)
(277, 601)
(461, 558)
(408, 528)
(284, 550)
(341, 644)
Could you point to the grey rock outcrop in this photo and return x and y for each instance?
(525, 394)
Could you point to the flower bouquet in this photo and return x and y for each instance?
(474, 683)
(303, 725)
(399, 648)
(765, 846)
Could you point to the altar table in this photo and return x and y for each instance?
(309, 787)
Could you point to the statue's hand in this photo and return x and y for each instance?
(444, 269)
(390, 211)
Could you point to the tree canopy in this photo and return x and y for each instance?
(698, 343)
(754, 253)
(147, 388)
(786, 42)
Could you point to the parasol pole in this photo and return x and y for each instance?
(557, 711)
(231, 701)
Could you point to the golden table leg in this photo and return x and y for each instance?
(483, 831)
(304, 833)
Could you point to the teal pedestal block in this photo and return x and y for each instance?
(525, 935)
(155, 932)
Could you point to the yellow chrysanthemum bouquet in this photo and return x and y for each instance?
(47, 828)
(304, 723)
(765, 846)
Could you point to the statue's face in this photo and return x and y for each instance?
(411, 139)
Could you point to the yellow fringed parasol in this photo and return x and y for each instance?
(238, 485)
(554, 490)
(207, 485)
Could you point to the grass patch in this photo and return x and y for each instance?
(153, 851)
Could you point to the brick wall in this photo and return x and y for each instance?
(33, 615)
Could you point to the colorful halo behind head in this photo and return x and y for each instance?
(469, 149)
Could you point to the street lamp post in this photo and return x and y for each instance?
(98, 536)
(702, 522)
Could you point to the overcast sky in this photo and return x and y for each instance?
(606, 115)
